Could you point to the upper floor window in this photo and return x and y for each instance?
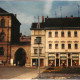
(40, 51)
(62, 34)
(2, 36)
(76, 46)
(50, 46)
(35, 51)
(50, 34)
(1, 51)
(75, 34)
(56, 46)
(69, 46)
(63, 46)
(56, 34)
(2, 22)
(69, 34)
(35, 41)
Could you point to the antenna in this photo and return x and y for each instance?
(34, 18)
(38, 19)
(25, 33)
(78, 9)
(55, 14)
(61, 11)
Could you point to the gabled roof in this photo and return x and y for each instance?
(3, 11)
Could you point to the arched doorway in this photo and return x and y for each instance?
(20, 57)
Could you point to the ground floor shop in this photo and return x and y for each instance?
(63, 59)
(57, 60)
(35, 62)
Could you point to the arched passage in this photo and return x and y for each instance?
(20, 57)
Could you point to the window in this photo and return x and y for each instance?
(1, 51)
(69, 34)
(63, 46)
(2, 36)
(40, 51)
(68, 54)
(57, 55)
(69, 46)
(50, 46)
(76, 46)
(2, 22)
(34, 41)
(56, 46)
(56, 34)
(35, 51)
(75, 34)
(62, 34)
(50, 34)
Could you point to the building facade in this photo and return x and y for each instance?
(9, 26)
(60, 42)
(13, 48)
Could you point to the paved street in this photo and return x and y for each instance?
(32, 73)
(18, 73)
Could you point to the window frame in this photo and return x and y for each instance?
(69, 34)
(40, 51)
(76, 46)
(2, 22)
(56, 46)
(63, 47)
(62, 34)
(35, 51)
(50, 34)
(2, 51)
(56, 34)
(50, 46)
(69, 46)
(75, 34)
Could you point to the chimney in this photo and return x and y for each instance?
(71, 16)
(47, 17)
(66, 17)
(15, 15)
(42, 18)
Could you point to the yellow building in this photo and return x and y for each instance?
(60, 42)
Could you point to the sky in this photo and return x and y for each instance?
(28, 11)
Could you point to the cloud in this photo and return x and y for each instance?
(48, 7)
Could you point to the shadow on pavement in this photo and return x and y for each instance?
(12, 72)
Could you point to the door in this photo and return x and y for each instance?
(57, 62)
(69, 62)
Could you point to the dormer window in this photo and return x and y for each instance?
(2, 22)
(38, 26)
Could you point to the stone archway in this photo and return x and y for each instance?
(20, 57)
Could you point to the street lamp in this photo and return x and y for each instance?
(38, 40)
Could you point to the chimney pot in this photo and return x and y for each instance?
(71, 16)
(15, 15)
(66, 17)
(42, 18)
(47, 17)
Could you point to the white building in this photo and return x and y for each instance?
(60, 42)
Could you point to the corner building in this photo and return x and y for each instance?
(60, 42)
